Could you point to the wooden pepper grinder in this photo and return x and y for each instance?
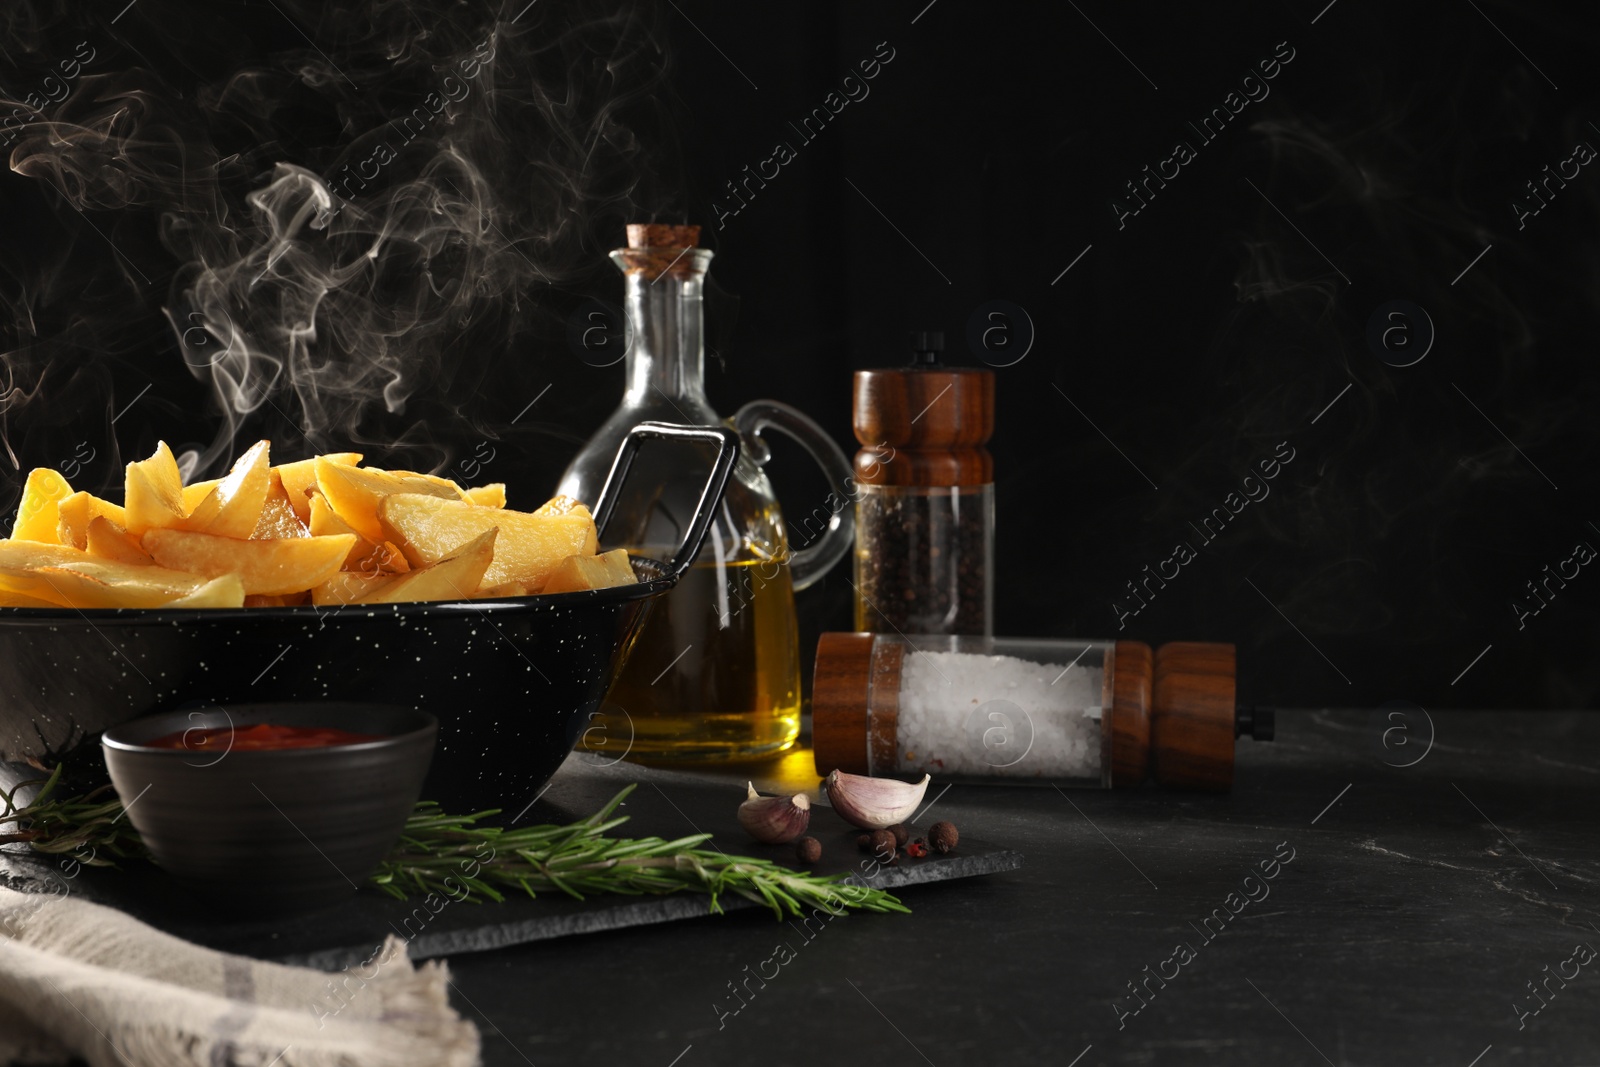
(925, 504)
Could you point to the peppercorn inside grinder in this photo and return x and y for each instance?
(925, 496)
(1092, 714)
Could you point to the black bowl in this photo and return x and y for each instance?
(513, 682)
(280, 830)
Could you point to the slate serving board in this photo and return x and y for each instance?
(665, 804)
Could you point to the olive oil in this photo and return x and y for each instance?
(715, 672)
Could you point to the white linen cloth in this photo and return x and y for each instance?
(79, 978)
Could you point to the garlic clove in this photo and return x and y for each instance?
(873, 803)
(775, 820)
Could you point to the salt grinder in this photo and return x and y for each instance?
(925, 501)
(1092, 714)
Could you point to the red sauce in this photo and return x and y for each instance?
(258, 737)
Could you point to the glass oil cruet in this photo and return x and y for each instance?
(715, 670)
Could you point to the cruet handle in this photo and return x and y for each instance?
(727, 442)
(813, 561)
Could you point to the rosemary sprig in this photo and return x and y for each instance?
(453, 856)
(90, 824)
(437, 849)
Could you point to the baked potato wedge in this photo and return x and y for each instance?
(265, 567)
(428, 529)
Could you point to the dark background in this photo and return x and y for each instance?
(1176, 353)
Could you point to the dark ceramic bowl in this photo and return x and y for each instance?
(276, 830)
(513, 682)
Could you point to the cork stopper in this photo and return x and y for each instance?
(662, 235)
(655, 249)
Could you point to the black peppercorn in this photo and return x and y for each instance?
(901, 834)
(909, 586)
(943, 836)
(808, 850)
(864, 842)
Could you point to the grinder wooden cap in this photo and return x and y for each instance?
(1193, 711)
(924, 407)
(1128, 724)
(855, 700)
(930, 422)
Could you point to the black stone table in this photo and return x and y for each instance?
(1373, 891)
(1419, 903)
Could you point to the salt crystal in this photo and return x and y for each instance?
(1046, 726)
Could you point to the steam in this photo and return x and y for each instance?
(342, 310)
(350, 227)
